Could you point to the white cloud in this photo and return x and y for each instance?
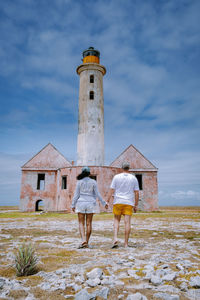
(185, 194)
(179, 198)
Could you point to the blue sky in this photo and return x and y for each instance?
(151, 90)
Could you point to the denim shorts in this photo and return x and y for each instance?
(86, 208)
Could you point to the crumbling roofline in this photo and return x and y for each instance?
(138, 152)
(41, 151)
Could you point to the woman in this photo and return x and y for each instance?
(84, 201)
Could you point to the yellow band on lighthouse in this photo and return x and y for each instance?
(91, 59)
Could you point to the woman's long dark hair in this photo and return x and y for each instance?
(83, 175)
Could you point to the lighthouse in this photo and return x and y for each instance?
(51, 178)
(90, 142)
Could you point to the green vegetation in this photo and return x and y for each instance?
(192, 212)
(25, 260)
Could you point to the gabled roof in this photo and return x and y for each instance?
(135, 158)
(47, 158)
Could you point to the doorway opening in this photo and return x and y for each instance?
(39, 205)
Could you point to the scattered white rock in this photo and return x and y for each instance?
(169, 277)
(45, 286)
(76, 287)
(108, 280)
(180, 267)
(195, 281)
(193, 294)
(131, 257)
(155, 280)
(84, 295)
(79, 279)
(184, 287)
(119, 282)
(156, 260)
(93, 282)
(132, 273)
(166, 296)
(161, 272)
(170, 289)
(95, 273)
(103, 293)
(136, 296)
(2, 282)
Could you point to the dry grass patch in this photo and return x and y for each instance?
(45, 295)
(140, 272)
(9, 207)
(165, 234)
(8, 272)
(129, 280)
(188, 276)
(3, 263)
(67, 253)
(18, 294)
(32, 280)
(58, 259)
(32, 232)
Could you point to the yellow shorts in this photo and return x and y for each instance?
(122, 209)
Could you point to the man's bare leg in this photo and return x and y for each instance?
(81, 222)
(127, 224)
(116, 226)
(88, 226)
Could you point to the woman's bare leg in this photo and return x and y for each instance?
(81, 222)
(88, 226)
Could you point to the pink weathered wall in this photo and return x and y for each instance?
(57, 199)
(30, 195)
(148, 196)
(51, 162)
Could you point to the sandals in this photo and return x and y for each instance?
(83, 245)
(115, 245)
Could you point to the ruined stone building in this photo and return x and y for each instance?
(49, 177)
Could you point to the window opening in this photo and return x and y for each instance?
(64, 182)
(91, 78)
(40, 181)
(91, 95)
(139, 178)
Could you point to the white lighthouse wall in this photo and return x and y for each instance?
(90, 148)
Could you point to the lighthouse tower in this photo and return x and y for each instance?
(90, 145)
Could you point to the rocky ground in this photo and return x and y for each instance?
(162, 262)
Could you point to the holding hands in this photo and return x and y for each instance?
(135, 209)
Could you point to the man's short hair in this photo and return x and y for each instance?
(125, 165)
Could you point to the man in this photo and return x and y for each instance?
(125, 187)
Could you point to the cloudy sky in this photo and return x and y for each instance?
(150, 49)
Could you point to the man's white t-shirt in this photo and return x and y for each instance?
(124, 185)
